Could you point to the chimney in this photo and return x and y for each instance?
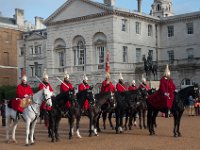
(139, 6)
(19, 16)
(39, 23)
(109, 2)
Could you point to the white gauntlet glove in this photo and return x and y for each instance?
(166, 94)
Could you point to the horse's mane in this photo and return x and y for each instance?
(186, 92)
(101, 94)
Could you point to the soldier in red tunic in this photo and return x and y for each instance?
(133, 86)
(144, 84)
(84, 86)
(164, 97)
(43, 85)
(23, 89)
(66, 86)
(107, 85)
(120, 85)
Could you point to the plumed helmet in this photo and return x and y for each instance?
(144, 79)
(85, 77)
(167, 71)
(45, 75)
(133, 82)
(107, 75)
(120, 76)
(66, 75)
(24, 78)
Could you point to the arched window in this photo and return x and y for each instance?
(185, 83)
(60, 54)
(79, 51)
(158, 7)
(99, 41)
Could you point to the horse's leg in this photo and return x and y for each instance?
(178, 123)
(14, 127)
(57, 123)
(52, 128)
(110, 119)
(150, 120)
(77, 126)
(144, 118)
(121, 122)
(104, 116)
(91, 126)
(126, 121)
(117, 121)
(95, 124)
(71, 125)
(8, 121)
(140, 118)
(32, 130)
(28, 122)
(98, 128)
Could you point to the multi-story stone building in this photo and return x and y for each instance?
(81, 31)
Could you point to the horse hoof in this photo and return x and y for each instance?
(90, 135)
(14, 141)
(96, 135)
(33, 143)
(79, 137)
(26, 145)
(7, 141)
(52, 140)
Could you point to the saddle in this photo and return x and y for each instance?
(19, 104)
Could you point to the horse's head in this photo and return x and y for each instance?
(112, 100)
(90, 95)
(143, 92)
(47, 96)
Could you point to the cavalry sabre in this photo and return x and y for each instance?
(41, 81)
(62, 82)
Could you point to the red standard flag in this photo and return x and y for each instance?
(107, 62)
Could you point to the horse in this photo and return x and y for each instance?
(108, 104)
(126, 103)
(178, 107)
(141, 108)
(57, 112)
(93, 110)
(29, 115)
(150, 68)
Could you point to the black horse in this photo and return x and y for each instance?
(93, 110)
(178, 107)
(58, 109)
(126, 104)
(107, 101)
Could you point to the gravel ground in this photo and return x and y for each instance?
(136, 139)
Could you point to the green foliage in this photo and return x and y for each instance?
(7, 92)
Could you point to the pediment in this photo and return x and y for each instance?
(35, 36)
(75, 9)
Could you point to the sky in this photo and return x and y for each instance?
(44, 8)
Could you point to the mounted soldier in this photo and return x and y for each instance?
(121, 87)
(133, 86)
(164, 97)
(144, 84)
(107, 85)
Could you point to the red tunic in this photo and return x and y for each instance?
(64, 88)
(144, 86)
(82, 87)
(132, 88)
(158, 99)
(23, 90)
(121, 88)
(42, 86)
(107, 87)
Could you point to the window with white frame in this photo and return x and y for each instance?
(170, 31)
(150, 30)
(124, 25)
(79, 53)
(21, 51)
(190, 53)
(171, 56)
(190, 29)
(138, 55)
(31, 50)
(138, 27)
(101, 52)
(125, 54)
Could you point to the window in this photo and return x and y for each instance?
(31, 50)
(138, 55)
(21, 51)
(190, 54)
(125, 54)
(32, 71)
(158, 7)
(61, 58)
(170, 31)
(5, 58)
(138, 27)
(190, 29)
(124, 25)
(150, 30)
(171, 56)
(79, 53)
(101, 51)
